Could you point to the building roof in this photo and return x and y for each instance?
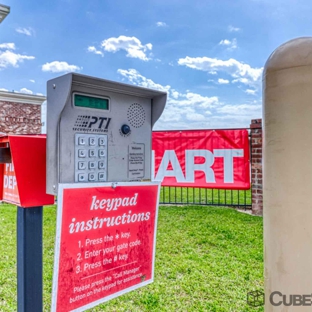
(22, 98)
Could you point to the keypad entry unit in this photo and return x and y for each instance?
(90, 157)
(99, 131)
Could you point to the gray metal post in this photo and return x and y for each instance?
(29, 259)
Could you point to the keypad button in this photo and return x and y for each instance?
(92, 153)
(82, 177)
(82, 153)
(91, 176)
(90, 157)
(101, 164)
(92, 141)
(81, 141)
(101, 153)
(82, 165)
(102, 141)
(91, 164)
(101, 176)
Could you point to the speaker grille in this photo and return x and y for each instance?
(136, 115)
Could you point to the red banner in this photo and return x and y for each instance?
(105, 242)
(202, 158)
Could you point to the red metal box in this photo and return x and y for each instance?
(23, 170)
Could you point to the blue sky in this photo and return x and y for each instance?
(208, 55)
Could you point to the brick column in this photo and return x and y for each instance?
(256, 166)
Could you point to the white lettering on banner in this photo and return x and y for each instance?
(9, 167)
(9, 180)
(191, 167)
(228, 156)
(170, 157)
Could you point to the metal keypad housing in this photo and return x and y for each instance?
(90, 157)
(122, 114)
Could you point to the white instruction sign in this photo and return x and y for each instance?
(136, 161)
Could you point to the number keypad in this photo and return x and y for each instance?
(90, 157)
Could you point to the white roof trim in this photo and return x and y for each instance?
(22, 98)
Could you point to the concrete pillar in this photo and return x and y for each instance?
(287, 118)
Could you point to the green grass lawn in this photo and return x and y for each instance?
(207, 259)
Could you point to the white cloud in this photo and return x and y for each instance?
(93, 49)
(180, 106)
(227, 122)
(10, 58)
(241, 80)
(175, 94)
(161, 24)
(231, 45)
(25, 31)
(223, 81)
(195, 99)
(186, 99)
(189, 110)
(59, 67)
(225, 42)
(32, 80)
(233, 29)
(241, 110)
(39, 94)
(250, 91)
(241, 72)
(234, 116)
(132, 45)
(7, 46)
(2, 89)
(195, 117)
(173, 115)
(26, 91)
(136, 78)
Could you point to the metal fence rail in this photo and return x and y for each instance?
(200, 196)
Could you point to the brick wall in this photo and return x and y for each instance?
(20, 118)
(256, 166)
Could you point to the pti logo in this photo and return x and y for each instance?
(88, 123)
(255, 298)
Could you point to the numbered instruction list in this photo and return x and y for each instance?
(105, 243)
